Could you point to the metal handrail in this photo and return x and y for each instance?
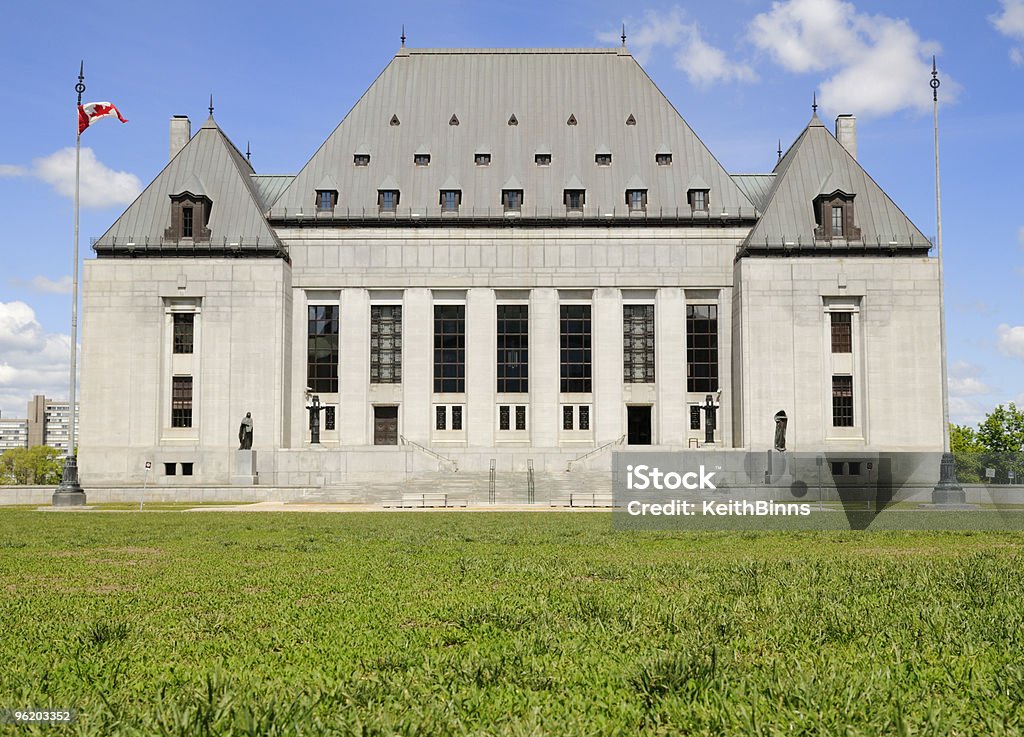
(595, 451)
(450, 463)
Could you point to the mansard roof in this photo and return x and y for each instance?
(409, 107)
(212, 163)
(818, 165)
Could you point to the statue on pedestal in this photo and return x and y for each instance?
(780, 430)
(314, 420)
(710, 412)
(245, 433)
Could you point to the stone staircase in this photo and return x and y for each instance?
(509, 487)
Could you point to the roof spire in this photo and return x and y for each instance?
(211, 104)
(780, 150)
(623, 35)
(80, 87)
(248, 154)
(935, 81)
(403, 35)
(814, 104)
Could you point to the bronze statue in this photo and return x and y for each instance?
(780, 430)
(710, 411)
(245, 433)
(314, 420)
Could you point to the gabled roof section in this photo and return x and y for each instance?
(543, 87)
(817, 164)
(209, 161)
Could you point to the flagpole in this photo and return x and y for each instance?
(948, 491)
(69, 493)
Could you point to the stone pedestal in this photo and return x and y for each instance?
(245, 473)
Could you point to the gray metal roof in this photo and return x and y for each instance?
(601, 88)
(757, 187)
(211, 162)
(270, 186)
(817, 164)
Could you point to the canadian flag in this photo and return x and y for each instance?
(90, 112)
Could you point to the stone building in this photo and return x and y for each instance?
(509, 255)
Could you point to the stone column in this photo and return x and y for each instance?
(544, 367)
(417, 365)
(609, 410)
(354, 368)
(481, 355)
(670, 365)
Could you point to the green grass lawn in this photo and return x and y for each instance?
(504, 624)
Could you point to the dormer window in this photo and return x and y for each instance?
(361, 159)
(603, 159)
(387, 200)
(326, 199)
(636, 199)
(450, 200)
(512, 200)
(663, 159)
(698, 199)
(574, 199)
(482, 159)
(833, 217)
(421, 159)
(190, 215)
(542, 159)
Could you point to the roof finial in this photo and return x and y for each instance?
(623, 35)
(780, 150)
(403, 35)
(814, 104)
(211, 104)
(248, 154)
(935, 81)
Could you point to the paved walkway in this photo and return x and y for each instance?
(325, 507)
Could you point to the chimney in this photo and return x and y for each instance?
(846, 133)
(181, 132)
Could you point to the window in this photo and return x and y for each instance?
(190, 215)
(697, 199)
(170, 469)
(322, 349)
(505, 417)
(512, 200)
(186, 469)
(513, 349)
(702, 348)
(638, 344)
(181, 401)
(184, 331)
(663, 159)
(385, 344)
(326, 199)
(387, 200)
(482, 159)
(421, 159)
(330, 417)
(451, 199)
(542, 159)
(449, 348)
(842, 332)
(575, 348)
(636, 199)
(833, 217)
(361, 159)
(695, 417)
(443, 413)
(574, 199)
(842, 401)
(603, 159)
(580, 412)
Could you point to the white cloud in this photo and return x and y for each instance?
(702, 63)
(1020, 237)
(32, 361)
(101, 186)
(1011, 340)
(45, 285)
(1017, 56)
(12, 170)
(965, 381)
(964, 411)
(1011, 21)
(877, 65)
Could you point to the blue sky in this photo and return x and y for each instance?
(740, 71)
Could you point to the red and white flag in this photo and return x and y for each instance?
(90, 112)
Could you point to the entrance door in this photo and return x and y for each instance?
(638, 425)
(385, 425)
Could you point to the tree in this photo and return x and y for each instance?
(41, 465)
(1003, 430)
(997, 444)
(968, 451)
